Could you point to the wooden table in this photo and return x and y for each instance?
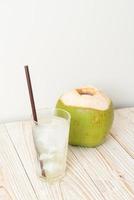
(103, 173)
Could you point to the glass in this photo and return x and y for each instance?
(51, 135)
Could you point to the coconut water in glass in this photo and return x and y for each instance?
(51, 134)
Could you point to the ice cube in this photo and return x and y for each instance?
(52, 169)
(45, 157)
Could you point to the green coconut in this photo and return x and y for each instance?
(91, 115)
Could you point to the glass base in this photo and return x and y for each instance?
(52, 180)
(45, 178)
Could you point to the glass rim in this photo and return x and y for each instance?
(51, 109)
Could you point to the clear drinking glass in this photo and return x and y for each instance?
(51, 134)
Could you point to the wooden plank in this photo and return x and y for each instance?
(106, 180)
(120, 162)
(123, 129)
(15, 184)
(76, 184)
(4, 190)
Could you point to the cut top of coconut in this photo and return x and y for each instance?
(86, 97)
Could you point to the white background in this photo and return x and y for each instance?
(66, 43)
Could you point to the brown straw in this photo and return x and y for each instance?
(31, 93)
(32, 105)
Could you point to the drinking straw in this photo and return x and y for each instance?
(32, 104)
(31, 93)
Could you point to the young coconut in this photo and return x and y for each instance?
(91, 115)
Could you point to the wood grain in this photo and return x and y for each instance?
(102, 173)
(123, 129)
(17, 184)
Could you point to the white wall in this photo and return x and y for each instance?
(67, 44)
